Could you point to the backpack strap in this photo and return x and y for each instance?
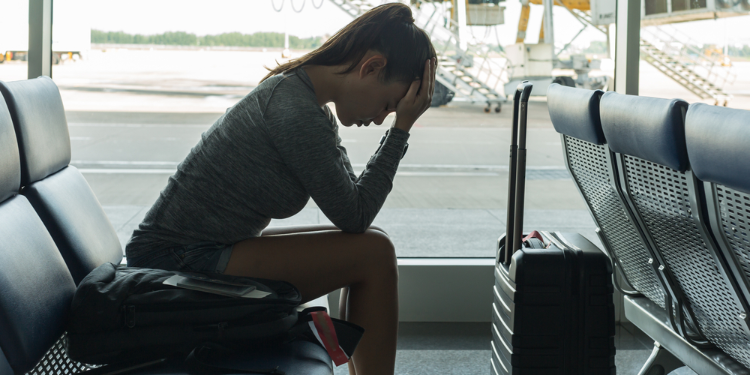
(123, 368)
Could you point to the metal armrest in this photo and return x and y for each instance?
(652, 320)
(321, 301)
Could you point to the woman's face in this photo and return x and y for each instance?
(366, 99)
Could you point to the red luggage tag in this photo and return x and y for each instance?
(323, 329)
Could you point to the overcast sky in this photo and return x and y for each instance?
(249, 16)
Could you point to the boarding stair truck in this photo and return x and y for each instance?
(471, 66)
(473, 70)
(675, 54)
(535, 62)
(71, 30)
(469, 69)
(662, 46)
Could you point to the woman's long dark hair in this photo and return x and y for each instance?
(388, 29)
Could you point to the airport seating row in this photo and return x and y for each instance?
(668, 186)
(53, 232)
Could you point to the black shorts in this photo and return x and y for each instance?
(204, 257)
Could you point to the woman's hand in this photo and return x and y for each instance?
(417, 99)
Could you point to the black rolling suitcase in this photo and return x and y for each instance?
(553, 311)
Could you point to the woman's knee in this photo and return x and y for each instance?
(380, 254)
(379, 229)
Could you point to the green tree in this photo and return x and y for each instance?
(181, 38)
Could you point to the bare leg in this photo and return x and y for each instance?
(318, 262)
(343, 300)
(274, 231)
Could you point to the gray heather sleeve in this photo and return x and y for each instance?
(342, 149)
(309, 144)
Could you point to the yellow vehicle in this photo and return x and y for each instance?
(712, 51)
(536, 62)
(72, 32)
(599, 13)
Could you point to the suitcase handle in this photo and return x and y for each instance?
(517, 170)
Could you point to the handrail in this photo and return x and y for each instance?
(478, 82)
(676, 48)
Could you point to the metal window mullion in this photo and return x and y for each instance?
(627, 46)
(40, 38)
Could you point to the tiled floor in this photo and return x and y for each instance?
(464, 348)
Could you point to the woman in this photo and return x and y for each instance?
(278, 147)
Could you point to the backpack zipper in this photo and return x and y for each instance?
(129, 315)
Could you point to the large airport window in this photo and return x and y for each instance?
(142, 80)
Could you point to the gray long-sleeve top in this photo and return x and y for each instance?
(264, 159)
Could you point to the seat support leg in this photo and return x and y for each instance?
(661, 362)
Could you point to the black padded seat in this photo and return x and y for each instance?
(295, 358)
(718, 145)
(10, 163)
(648, 136)
(575, 115)
(35, 285)
(4, 365)
(58, 192)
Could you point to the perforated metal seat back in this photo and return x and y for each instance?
(661, 197)
(589, 165)
(734, 209)
(575, 115)
(717, 141)
(650, 147)
(56, 361)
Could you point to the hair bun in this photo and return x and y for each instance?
(405, 15)
(397, 12)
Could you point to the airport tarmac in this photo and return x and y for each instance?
(135, 114)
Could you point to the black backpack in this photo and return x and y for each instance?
(125, 315)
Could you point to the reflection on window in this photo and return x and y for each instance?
(140, 87)
(655, 6)
(697, 4)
